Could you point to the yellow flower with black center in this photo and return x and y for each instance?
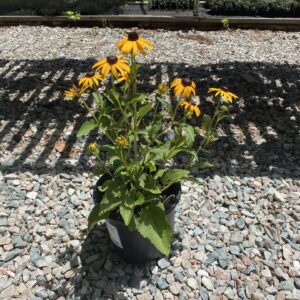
(74, 92)
(91, 79)
(224, 93)
(184, 86)
(190, 108)
(121, 141)
(133, 43)
(114, 64)
(92, 147)
(163, 88)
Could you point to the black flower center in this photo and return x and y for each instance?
(186, 81)
(112, 59)
(225, 88)
(133, 36)
(90, 74)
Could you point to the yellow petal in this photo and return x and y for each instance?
(178, 90)
(175, 82)
(197, 111)
(114, 71)
(125, 67)
(99, 63)
(146, 43)
(134, 48)
(105, 70)
(127, 47)
(141, 48)
(121, 43)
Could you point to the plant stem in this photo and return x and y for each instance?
(204, 142)
(90, 111)
(133, 65)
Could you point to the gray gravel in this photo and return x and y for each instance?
(237, 236)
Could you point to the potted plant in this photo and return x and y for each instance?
(149, 146)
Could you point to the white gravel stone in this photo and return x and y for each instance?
(192, 283)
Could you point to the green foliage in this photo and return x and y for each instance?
(171, 4)
(170, 177)
(87, 127)
(57, 7)
(225, 22)
(268, 8)
(153, 225)
(73, 15)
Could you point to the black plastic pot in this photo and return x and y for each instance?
(130, 245)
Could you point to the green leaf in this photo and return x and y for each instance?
(172, 153)
(113, 158)
(160, 173)
(224, 109)
(203, 165)
(194, 180)
(108, 204)
(151, 185)
(94, 217)
(138, 97)
(130, 201)
(173, 176)
(161, 152)
(106, 121)
(99, 171)
(108, 148)
(189, 134)
(98, 99)
(114, 95)
(152, 166)
(154, 226)
(192, 152)
(126, 213)
(144, 110)
(206, 122)
(87, 127)
(112, 198)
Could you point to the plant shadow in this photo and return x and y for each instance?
(105, 275)
(262, 137)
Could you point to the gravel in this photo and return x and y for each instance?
(236, 235)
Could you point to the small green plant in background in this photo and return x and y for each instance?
(105, 22)
(73, 15)
(226, 23)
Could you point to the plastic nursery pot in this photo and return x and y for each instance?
(130, 245)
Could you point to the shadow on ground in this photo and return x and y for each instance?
(103, 274)
(262, 137)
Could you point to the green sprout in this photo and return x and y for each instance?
(73, 15)
(225, 22)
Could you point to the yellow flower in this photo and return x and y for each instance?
(74, 92)
(190, 108)
(163, 88)
(133, 43)
(121, 141)
(184, 86)
(125, 77)
(92, 147)
(115, 64)
(90, 80)
(224, 93)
